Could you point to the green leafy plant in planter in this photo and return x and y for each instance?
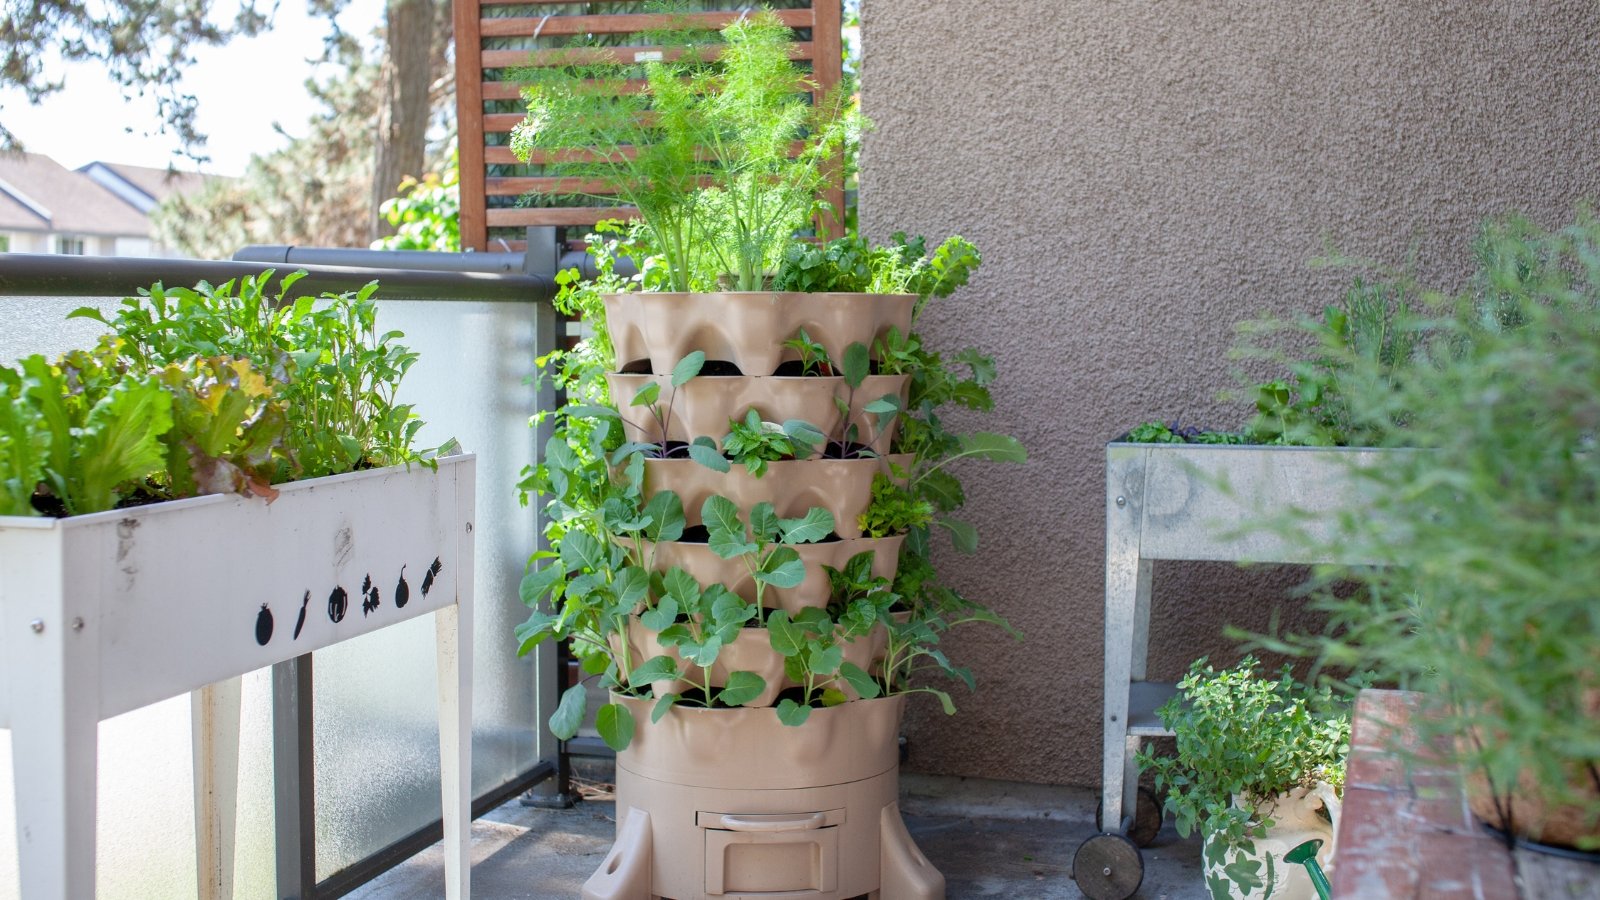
(194, 392)
(1245, 740)
(1491, 531)
(1375, 325)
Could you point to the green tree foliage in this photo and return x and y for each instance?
(427, 213)
(145, 45)
(312, 192)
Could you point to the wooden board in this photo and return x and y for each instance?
(1405, 831)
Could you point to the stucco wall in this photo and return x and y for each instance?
(1140, 176)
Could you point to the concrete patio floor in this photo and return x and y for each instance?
(989, 838)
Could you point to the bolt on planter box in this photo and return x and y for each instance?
(104, 613)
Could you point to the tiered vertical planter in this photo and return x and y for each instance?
(731, 802)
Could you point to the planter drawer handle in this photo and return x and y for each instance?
(769, 824)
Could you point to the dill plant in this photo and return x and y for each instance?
(721, 153)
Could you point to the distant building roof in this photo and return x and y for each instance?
(39, 194)
(143, 186)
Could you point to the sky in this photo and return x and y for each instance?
(242, 87)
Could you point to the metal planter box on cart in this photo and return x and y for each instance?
(1194, 502)
(104, 613)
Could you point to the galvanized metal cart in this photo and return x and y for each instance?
(1195, 502)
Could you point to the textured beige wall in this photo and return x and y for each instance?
(1140, 176)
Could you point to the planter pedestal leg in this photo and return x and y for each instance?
(906, 873)
(214, 714)
(625, 873)
(453, 647)
(51, 654)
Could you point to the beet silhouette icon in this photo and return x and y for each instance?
(402, 591)
(338, 602)
(300, 622)
(263, 625)
(369, 596)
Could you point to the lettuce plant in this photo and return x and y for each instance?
(214, 389)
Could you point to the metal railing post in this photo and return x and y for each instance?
(541, 261)
(294, 779)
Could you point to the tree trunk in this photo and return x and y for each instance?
(403, 116)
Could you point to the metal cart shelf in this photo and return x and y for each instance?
(1194, 502)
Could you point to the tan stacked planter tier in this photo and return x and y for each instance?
(654, 331)
(731, 803)
(841, 486)
(703, 406)
(752, 653)
(708, 568)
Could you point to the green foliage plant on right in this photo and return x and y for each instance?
(1377, 323)
(1490, 529)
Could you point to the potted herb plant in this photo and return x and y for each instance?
(741, 495)
(1259, 770)
(226, 481)
(1486, 598)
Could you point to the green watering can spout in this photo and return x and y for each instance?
(1306, 855)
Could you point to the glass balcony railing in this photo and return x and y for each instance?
(373, 748)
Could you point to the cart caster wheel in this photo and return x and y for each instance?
(1146, 818)
(1108, 867)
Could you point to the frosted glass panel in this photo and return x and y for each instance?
(376, 710)
(30, 325)
(145, 830)
(376, 705)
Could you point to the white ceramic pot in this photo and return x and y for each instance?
(1297, 817)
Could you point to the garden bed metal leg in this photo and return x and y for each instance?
(214, 717)
(52, 656)
(453, 626)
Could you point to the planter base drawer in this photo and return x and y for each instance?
(787, 855)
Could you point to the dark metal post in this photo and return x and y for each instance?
(548, 662)
(294, 779)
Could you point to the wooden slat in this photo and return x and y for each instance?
(517, 186)
(512, 90)
(499, 123)
(628, 23)
(503, 156)
(570, 215)
(500, 90)
(584, 56)
(543, 2)
(827, 71)
(469, 116)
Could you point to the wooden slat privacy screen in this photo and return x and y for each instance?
(493, 37)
